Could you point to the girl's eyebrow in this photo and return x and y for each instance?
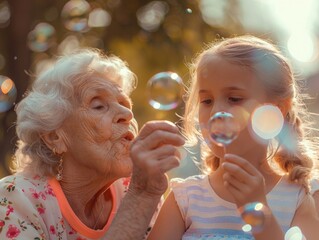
(202, 91)
(232, 88)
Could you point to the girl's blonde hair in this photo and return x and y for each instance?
(296, 153)
(51, 100)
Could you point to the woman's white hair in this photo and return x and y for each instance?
(50, 101)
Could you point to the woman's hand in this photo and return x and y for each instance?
(243, 180)
(154, 152)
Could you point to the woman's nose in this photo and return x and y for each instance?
(124, 115)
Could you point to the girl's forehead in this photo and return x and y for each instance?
(218, 68)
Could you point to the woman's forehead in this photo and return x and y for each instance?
(97, 84)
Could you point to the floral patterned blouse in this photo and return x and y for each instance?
(35, 208)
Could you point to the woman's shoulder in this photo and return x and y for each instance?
(21, 178)
(25, 186)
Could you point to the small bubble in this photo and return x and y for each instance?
(42, 37)
(254, 215)
(189, 11)
(8, 93)
(75, 14)
(165, 91)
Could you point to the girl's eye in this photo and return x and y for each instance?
(234, 99)
(206, 101)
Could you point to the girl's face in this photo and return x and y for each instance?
(223, 86)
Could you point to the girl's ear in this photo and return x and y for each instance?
(54, 139)
(285, 107)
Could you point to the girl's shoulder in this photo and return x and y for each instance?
(314, 185)
(193, 185)
(189, 181)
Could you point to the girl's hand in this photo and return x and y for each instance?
(243, 180)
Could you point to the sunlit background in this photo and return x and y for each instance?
(157, 39)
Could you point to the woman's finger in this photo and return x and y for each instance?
(152, 126)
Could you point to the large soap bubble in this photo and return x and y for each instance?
(165, 91)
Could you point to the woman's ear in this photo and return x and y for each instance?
(54, 140)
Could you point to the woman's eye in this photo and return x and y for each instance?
(98, 107)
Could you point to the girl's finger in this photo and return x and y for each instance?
(239, 173)
(232, 180)
(242, 163)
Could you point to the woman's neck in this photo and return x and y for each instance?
(91, 201)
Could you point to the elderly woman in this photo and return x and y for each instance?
(75, 129)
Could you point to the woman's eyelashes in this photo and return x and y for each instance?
(98, 104)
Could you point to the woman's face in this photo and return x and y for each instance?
(97, 133)
(229, 88)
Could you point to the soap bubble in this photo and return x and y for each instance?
(75, 15)
(165, 90)
(254, 215)
(223, 128)
(42, 37)
(8, 93)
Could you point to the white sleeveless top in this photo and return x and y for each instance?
(207, 216)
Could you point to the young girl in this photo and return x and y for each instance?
(244, 73)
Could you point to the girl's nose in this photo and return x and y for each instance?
(217, 108)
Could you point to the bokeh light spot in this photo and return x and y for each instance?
(267, 121)
(294, 233)
(152, 15)
(99, 18)
(301, 45)
(4, 14)
(246, 228)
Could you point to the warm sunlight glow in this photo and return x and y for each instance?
(301, 46)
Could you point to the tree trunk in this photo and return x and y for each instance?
(18, 60)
